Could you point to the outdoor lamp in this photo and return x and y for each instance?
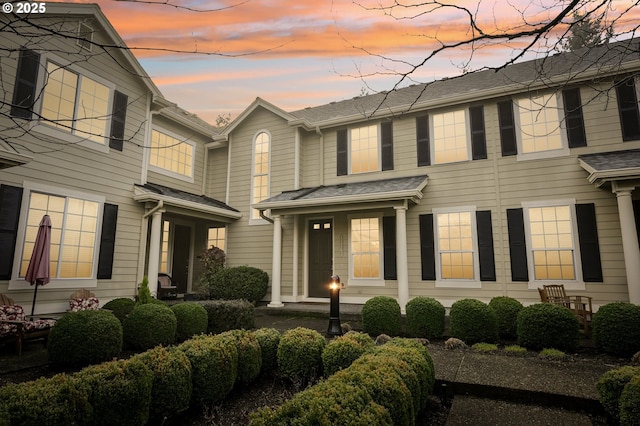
(334, 313)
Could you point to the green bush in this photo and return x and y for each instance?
(119, 392)
(363, 338)
(425, 317)
(84, 337)
(340, 354)
(300, 354)
(506, 309)
(630, 403)
(214, 368)
(225, 315)
(120, 307)
(144, 293)
(269, 339)
(472, 321)
(239, 282)
(53, 401)
(616, 328)
(249, 354)
(191, 320)
(381, 315)
(149, 325)
(424, 352)
(545, 325)
(172, 385)
(611, 385)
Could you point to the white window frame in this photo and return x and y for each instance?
(379, 147)
(168, 172)
(457, 283)
(18, 283)
(41, 126)
(576, 284)
(371, 282)
(561, 152)
(432, 144)
(209, 241)
(259, 220)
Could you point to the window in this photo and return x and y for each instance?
(172, 155)
(628, 109)
(450, 141)
(74, 233)
(539, 124)
(75, 103)
(164, 247)
(455, 243)
(365, 155)
(365, 248)
(85, 36)
(260, 184)
(365, 149)
(216, 237)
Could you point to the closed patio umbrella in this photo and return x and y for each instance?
(38, 272)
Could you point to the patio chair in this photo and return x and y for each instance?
(167, 288)
(82, 300)
(18, 327)
(579, 305)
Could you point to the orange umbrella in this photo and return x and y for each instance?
(38, 272)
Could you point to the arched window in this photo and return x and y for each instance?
(260, 184)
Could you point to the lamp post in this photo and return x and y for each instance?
(334, 313)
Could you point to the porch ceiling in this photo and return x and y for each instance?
(610, 166)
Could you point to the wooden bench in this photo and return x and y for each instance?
(579, 305)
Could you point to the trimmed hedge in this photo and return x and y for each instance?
(191, 320)
(362, 338)
(630, 403)
(545, 325)
(84, 337)
(120, 307)
(340, 354)
(249, 355)
(149, 325)
(269, 339)
(300, 354)
(381, 315)
(425, 317)
(506, 310)
(225, 315)
(616, 328)
(427, 376)
(610, 388)
(239, 282)
(472, 321)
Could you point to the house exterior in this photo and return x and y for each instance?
(484, 185)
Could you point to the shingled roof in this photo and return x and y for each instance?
(612, 165)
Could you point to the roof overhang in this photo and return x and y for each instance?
(611, 166)
(11, 158)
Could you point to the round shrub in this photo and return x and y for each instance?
(214, 368)
(191, 320)
(249, 354)
(84, 337)
(472, 321)
(630, 403)
(381, 315)
(171, 386)
(340, 353)
(363, 338)
(300, 354)
(149, 325)
(425, 317)
(268, 338)
(120, 307)
(616, 328)
(610, 387)
(239, 282)
(545, 325)
(506, 309)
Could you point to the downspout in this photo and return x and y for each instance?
(262, 215)
(321, 177)
(153, 210)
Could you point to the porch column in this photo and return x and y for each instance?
(402, 267)
(629, 240)
(154, 251)
(276, 267)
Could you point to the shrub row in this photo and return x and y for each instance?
(225, 315)
(619, 394)
(239, 282)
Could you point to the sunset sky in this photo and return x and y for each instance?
(297, 53)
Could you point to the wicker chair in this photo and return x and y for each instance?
(167, 288)
(579, 305)
(17, 327)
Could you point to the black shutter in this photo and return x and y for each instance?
(24, 90)
(478, 141)
(389, 237)
(386, 130)
(342, 153)
(628, 109)
(10, 203)
(573, 118)
(118, 120)
(589, 247)
(422, 140)
(507, 128)
(485, 246)
(427, 247)
(107, 241)
(517, 245)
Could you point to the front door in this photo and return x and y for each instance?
(320, 256)
(180, 258)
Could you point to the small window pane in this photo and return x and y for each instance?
(171, 154)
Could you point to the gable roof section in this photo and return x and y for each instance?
(405, 188)
(613, 165)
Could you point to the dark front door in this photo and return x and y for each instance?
(180, 261)
(320, 256)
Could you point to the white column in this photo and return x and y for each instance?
(402, 267)
(629, 241)
(154, 251)
(276, 268)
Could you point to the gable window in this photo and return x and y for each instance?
(85, 36)
(260, 175)
(365, 249)
(365, 149)
(216, 237)
(628, 109)
(171, 155)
